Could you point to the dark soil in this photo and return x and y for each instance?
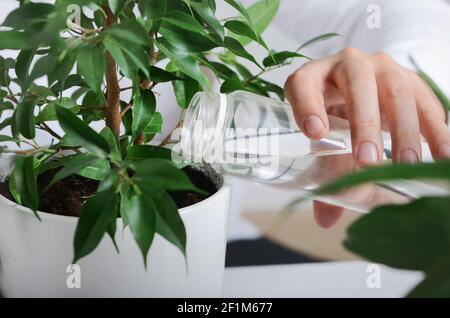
(68, 196)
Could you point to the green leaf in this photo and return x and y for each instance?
(316, 39)
(242, 28)
(112, 143)
(185, 34)
(184, 62)
(24, 178)
(207, 15)
(279, 58)
(437, 170)
(155, 124)
(5, 80)
(48, 113)
(14, 40)
(261, 14)
(137, 152)
(72, 165)
(130, 31)
(154, 10)
(436, 90)
(143, 109)
(141, 215)
(235, 47)
(184, 91)
(160, 76)
(23, 118)
(43, 66)
(169, 223)
(231, 85)
(222, 70)
(4, 138)
(437, 281)
(414, 236)
(161, 174)
(91, 65)
(23, 63)
(116, 5)
(28, 14)
(80, 133)
(128, 68)
(237, 4)
(98, 170)
(95, 218)
(125, 195)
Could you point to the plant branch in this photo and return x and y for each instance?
(45, 127)
(113, 118)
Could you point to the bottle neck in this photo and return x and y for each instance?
(203, 126)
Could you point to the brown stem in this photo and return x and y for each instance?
(126, 109)
(112, 84)
(53, 133)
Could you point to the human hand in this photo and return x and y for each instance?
(373, 92)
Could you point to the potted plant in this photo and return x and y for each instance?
(87, 185)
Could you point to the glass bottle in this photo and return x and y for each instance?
(257, 138)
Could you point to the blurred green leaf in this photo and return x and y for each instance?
(436, 90)
(261, 13)
(316, 39)
(14, 40)
(414, 236)
(116, 5)
(91, 65)
(436, 283)
(242, 28)
(436, 170)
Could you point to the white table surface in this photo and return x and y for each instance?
(330, 279)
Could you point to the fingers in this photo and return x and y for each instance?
(326, 215)
(304, 91)
(398, 103)
(356, 81)
(431, 119)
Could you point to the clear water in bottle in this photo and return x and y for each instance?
(257, 138)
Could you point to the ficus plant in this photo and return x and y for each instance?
(88, 53)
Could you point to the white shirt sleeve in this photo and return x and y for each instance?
(408, 28)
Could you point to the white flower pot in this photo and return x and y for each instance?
(35, 256)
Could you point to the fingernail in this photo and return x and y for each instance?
(367, 153)
(444, 151)
(313, 125)
(409, 156)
